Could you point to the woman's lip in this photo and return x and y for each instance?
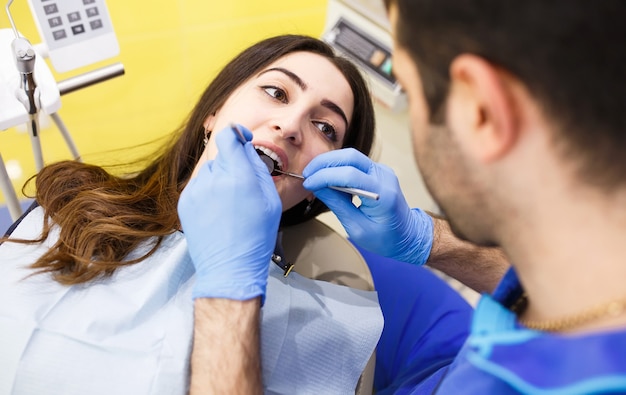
(279, 151)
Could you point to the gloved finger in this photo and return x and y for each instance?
(193, 195)
(225, 143)
(263, 176)
(337, 158)
(356, 223)
(247, 134)
(344, 176)
(339, 203)
(197, 185)
(231, 153)
(258, 165)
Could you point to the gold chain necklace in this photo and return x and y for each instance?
(611, 309)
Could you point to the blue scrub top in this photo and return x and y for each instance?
(501, 357)
(432, 342)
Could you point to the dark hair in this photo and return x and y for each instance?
(570, 54)
(102, 218)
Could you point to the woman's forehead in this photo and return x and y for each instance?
(308, 64)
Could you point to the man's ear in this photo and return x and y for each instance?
(481, 103)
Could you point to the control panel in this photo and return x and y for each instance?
(76, 32)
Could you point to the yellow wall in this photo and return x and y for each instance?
(170, 50)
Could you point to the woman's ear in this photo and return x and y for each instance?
(209, 122)
(482, 108)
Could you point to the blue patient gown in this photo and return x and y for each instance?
(431, 343)
(132, 333)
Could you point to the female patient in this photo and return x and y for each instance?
(98, 297)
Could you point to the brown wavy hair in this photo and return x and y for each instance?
(102, 218)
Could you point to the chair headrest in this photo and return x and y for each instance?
(320, 253)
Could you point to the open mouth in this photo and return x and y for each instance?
(270, 158)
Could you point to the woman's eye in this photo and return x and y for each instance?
(327, 129)
(276, 93)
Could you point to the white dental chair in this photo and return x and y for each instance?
(321, 253)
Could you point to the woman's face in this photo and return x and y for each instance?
(296, 108)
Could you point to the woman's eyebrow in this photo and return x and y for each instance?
(298, 81)
(336, 109)
(294, 77)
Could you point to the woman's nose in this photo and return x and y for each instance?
(289, 128)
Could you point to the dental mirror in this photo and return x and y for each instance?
(271, 167)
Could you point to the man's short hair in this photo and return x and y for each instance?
(570, 54)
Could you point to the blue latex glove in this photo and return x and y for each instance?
(386, 226)
(230, 214)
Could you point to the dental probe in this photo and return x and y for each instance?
(272, 169)
(352, 191)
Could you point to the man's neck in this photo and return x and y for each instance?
(572, 260)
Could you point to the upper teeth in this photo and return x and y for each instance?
(271, 154)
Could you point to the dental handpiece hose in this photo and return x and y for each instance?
(33, 119)
(25, 60)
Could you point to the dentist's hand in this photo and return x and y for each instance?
(386, 226)
(230, 214)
